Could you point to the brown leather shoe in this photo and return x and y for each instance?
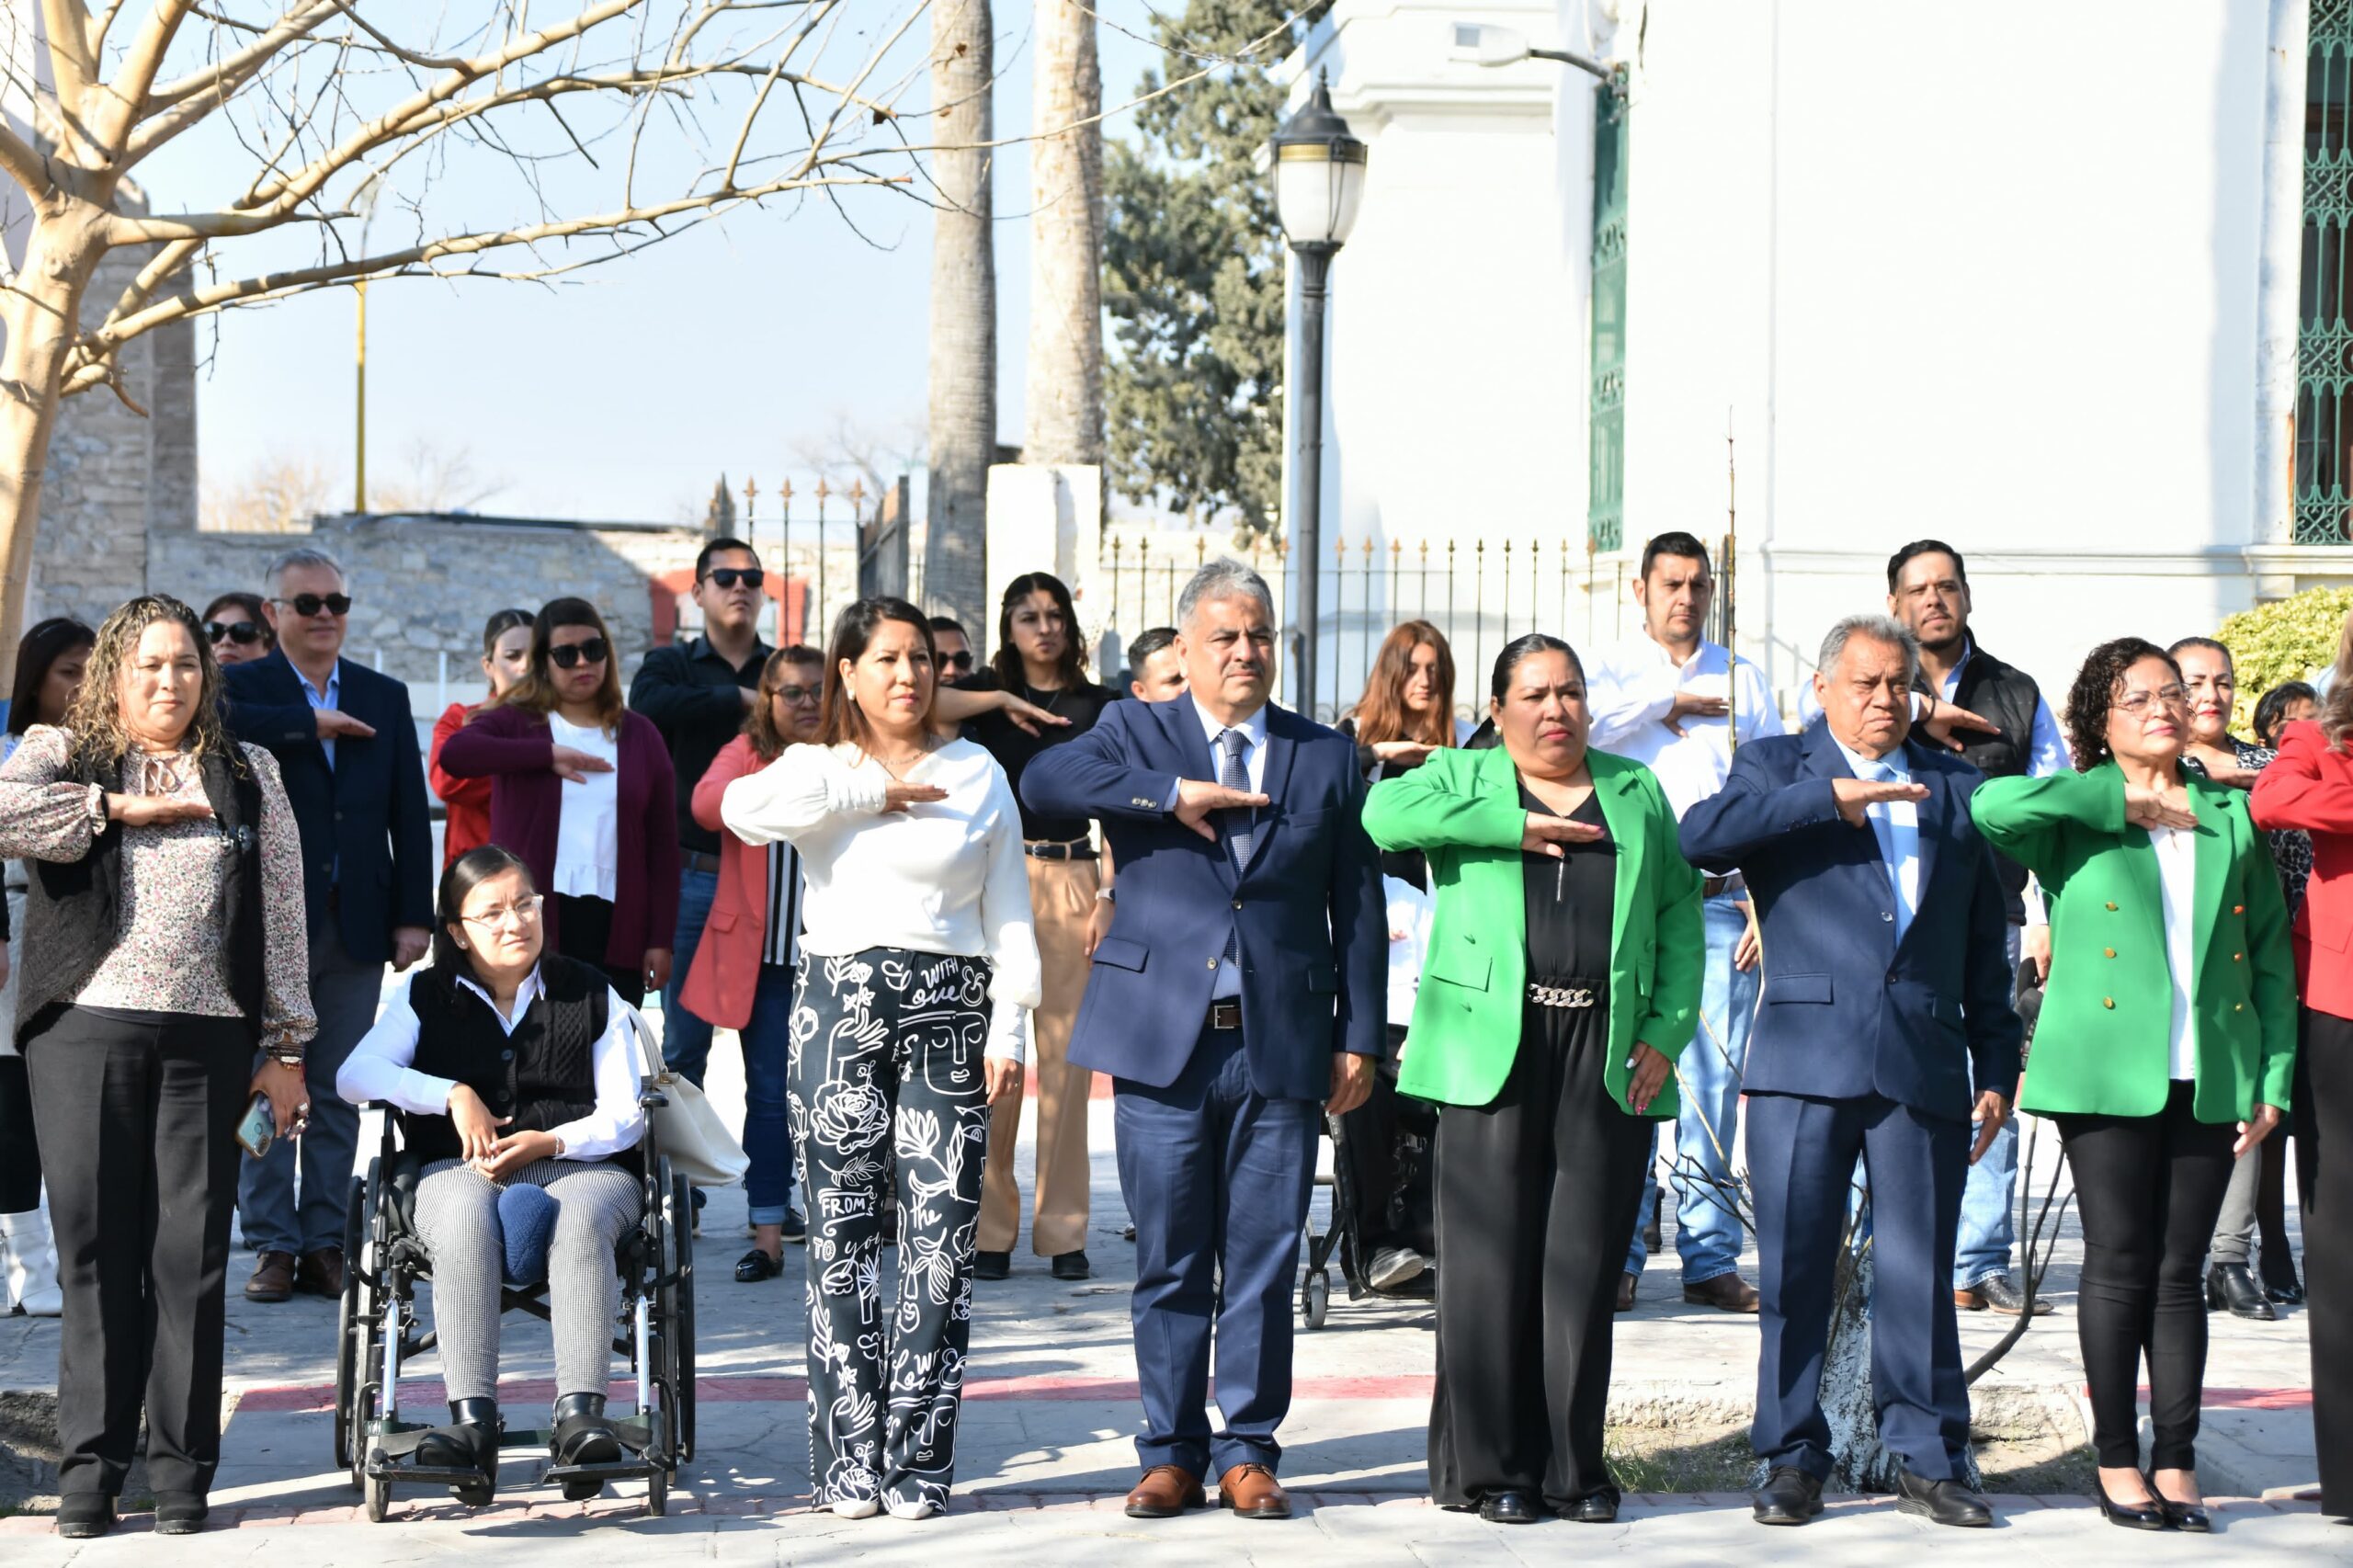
(1165, 1490)
(321, 1273)
(273, 1277)
(1252, 1492)
(1727, 1293)
(1626, 1292)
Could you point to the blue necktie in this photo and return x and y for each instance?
(1239, 832)
(1884, 828)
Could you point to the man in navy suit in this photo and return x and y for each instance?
(1886, 983)
(1239, 994)
(346, 748)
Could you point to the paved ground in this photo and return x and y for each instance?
(1045, 1441)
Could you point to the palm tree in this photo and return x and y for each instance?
(962, 419)
(1064, 385)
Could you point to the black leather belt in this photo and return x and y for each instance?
(695, 861)
(1226, 1014)
(1054, 849)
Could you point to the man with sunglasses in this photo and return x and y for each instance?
(346, 745)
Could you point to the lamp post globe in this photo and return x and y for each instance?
(1319, 184)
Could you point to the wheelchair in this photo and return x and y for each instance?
(378, 1333)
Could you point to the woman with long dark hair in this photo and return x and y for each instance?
(511, 1066)
(2165, 1047)
(1041, 657)
(505, 658)
(916, 975)
(582, 790)
(49, 676)
(742, 975)
(164, 950)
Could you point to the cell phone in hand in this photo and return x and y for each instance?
(258, 1127)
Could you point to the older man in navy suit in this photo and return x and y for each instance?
(1239, 993)
(1886, 983)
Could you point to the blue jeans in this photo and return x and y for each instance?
(1707, 1231)
(686, 1039)
(1989, 1202)
(767, 1124)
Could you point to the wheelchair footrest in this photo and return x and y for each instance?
(635, 1469)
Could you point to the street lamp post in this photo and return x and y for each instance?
(364, 204)
(1319, 182)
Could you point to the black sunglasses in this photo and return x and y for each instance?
(962, 661)
(728, 576)
(311, 604)
(589, 651)
(243, 634)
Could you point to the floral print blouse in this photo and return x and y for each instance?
(171, 954)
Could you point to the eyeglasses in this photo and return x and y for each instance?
(311, 604)
(728, 576)
(243, 634)
(525, 912)
(962, 661)
(590, 650)
(2138, 702)
(797, 695)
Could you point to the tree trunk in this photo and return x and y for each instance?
(40, 311)
(1064, 392)
(963, 416)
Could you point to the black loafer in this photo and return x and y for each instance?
(756, 1265)
(2149, 1514)
(1509, 1508)
(1072, 1265)
(1789, 1496)
(83, 1516)
(180, 1513)
(1941, 1502)
(1600, 1508)
(992, 1266)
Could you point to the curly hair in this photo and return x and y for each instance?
(96, 735)
(2095, 690)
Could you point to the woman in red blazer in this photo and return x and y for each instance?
(2310, 786)
(582, 791)
(506, 653)
(742, 974)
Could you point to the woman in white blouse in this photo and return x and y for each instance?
(511, 1067)
(918, 971)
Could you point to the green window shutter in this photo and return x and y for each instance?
(1606, 428)
(2324, 335)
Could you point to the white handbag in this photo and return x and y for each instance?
(688, 1131)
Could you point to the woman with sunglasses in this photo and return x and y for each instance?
(49, 676)
(742, 975)
(2165, 1047)
(238, 630)
(583, 790)
(505, 654)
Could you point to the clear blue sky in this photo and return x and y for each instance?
(625, 393)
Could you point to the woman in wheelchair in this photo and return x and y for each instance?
(511, 1066)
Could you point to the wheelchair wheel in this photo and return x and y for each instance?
(1316, 1298)
(379, 1498)
(658, 1493)
(677, 1311)
(346, 1358)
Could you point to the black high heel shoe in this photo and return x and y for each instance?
(2149, 1516)
(2189, 1516)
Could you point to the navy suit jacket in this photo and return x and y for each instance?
(1847, 1011)
(1307, 909)
(367, 814)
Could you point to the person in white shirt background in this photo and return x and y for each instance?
(1666, 699)
(918, 967)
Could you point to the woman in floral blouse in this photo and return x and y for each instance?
(163, 943)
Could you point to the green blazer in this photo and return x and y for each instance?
(1462, 809)
(2102, 1045)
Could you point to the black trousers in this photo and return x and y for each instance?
(1385, 1142)
(2149, 1189)
(1536, 1196)
(19, 1153)
(583, 929)
(2323, 1100)
(137, 1115)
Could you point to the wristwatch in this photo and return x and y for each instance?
(285, 1057)
(1106, 895)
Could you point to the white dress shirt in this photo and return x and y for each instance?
(1631, 689)
(1228, 985)
(940, 876)
(588, 829)
(379, 1069)
(1896, 825)
(332, 697)
(2178, 882)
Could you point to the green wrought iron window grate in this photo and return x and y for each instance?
(1605, 415)
(2324, 335)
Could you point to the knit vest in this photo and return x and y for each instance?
(2007, 696)
(544, 1075)
(74, 908)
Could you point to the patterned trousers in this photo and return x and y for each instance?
(886, 1059)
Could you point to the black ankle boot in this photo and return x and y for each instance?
(468, 1442)
(583, 1436)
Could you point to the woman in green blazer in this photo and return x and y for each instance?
(2166, 1044)
(1561, 980)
